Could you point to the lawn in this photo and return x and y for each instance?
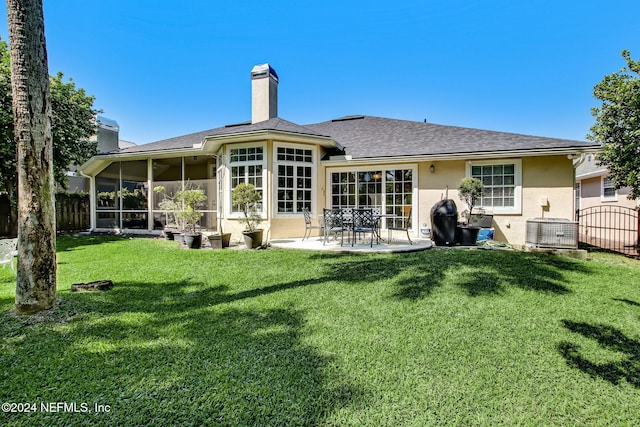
(276, 337)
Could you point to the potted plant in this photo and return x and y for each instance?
(470, 190)
(191, 199)
(247, 198)
(170, 205)
(220, 239)
(183, 208)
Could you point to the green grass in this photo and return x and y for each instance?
(281, 337)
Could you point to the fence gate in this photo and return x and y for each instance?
(612, 228)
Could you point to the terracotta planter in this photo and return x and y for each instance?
(253, 239)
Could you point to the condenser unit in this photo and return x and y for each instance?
(557, 233)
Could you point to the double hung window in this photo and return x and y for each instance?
(609, 192)
(502, 185)
(294, 181)
(247, 166)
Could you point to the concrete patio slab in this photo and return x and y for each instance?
(315, 244)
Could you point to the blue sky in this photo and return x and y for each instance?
(166, 68)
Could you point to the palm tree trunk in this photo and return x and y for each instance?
(36, 279)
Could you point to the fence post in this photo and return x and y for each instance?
(638, 228)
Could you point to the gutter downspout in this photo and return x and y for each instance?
(580, 160)
(576, 164)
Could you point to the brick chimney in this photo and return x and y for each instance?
(264, 93)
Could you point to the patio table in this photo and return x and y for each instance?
(348, 223)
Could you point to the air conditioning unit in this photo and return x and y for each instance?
(557, 233)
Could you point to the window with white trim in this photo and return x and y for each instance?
(609, 192)
(578, 193)
(294, 182)
(502, 185)
(247, 166)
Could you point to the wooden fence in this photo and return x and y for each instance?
(72, 213)
(5, 216)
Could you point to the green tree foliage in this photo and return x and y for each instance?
(73, 123)
(617, 125)
(247, 198)
(8, 165)
(470, 191)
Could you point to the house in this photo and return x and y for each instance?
(594, 188)
(345, 162)
(607, 218)
(107, 137)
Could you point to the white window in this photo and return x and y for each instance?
(502, 181)
(608, 192)
(247, 166)
(294, 184)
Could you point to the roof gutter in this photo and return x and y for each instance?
(458, 156)
(94, 163)
(213, 143)
(593, 174)
(210, 144)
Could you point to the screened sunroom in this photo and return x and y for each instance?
(124, 196)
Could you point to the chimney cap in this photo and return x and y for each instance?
(263, 70)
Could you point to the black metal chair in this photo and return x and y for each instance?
(365, 222)
(333, 223)
(308, 225)
(347, 220)
(405, 224)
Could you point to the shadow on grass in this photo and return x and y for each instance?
(417, 275)
(173, 352)
(166, 355)
(67, 243)
(609, 338)
(627, 301)
(476, 272)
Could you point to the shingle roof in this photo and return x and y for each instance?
(188, 141)
(367, 137)
(590, 167)
(378, 137)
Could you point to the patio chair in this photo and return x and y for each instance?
(405, 224)
(8, 250)
(333, 223)
(365, 222)
(308, 226)
(347, 221)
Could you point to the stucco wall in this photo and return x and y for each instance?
(280, 226)
(542, 177)
(432, 187)
(591, 190)
(549, 178)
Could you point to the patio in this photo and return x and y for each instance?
(362, 246)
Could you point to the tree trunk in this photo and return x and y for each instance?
(36, 278)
